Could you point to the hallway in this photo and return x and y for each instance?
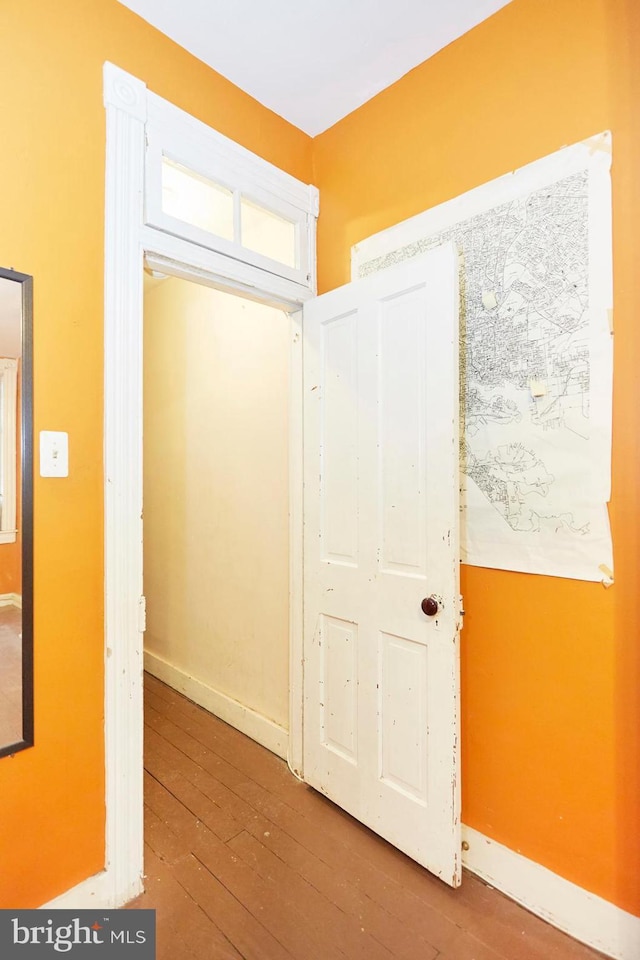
(244, 861)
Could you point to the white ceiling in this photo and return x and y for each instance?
(313, 61)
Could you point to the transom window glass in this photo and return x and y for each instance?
(267, 233)
(210, 206)
(189, 197)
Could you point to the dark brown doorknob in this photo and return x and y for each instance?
(430, 606)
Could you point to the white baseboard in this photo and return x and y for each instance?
(581, 914)
(264, 731)
(11, 600)
(97, 891)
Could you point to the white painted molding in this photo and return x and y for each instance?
(125, 101)
(314, 200)
(254, 725)
(173, 126)
(126, 239)
(312, 236)
(296, 554)
(97, 891)
(581, 914)
(181, 258)
(11, 600)
(123, 92)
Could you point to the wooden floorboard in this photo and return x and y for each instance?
(242, 860)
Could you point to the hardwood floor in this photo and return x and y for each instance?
(244, 861)
(10, 674)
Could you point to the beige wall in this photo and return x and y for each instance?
(216, 491)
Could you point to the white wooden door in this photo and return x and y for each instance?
(381, 677)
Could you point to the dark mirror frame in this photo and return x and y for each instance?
(26, 516)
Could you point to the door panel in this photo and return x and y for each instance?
(403, 711)
(381, 679)
(339, 686)
(401, 433)
(339, 429)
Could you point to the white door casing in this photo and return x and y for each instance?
(127, 240)
(381, 514)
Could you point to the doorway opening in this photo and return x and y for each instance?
(216, 492)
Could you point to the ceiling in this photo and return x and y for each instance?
(313, 61)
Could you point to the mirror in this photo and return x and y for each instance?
(16, 513)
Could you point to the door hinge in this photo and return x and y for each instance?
(142, 614)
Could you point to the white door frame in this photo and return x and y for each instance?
(128, 241)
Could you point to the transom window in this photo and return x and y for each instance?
(203, 187)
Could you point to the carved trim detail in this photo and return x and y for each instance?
(124, 92)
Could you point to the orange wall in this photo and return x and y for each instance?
(52, 223)
(550, 667)
(10, 572)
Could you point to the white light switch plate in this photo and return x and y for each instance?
(54, 454)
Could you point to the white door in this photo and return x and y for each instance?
(381, 676)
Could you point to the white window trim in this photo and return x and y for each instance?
(173, 134)
(9, 378)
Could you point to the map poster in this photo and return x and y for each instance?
(536, 358)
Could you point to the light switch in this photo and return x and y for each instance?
(54, 454)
